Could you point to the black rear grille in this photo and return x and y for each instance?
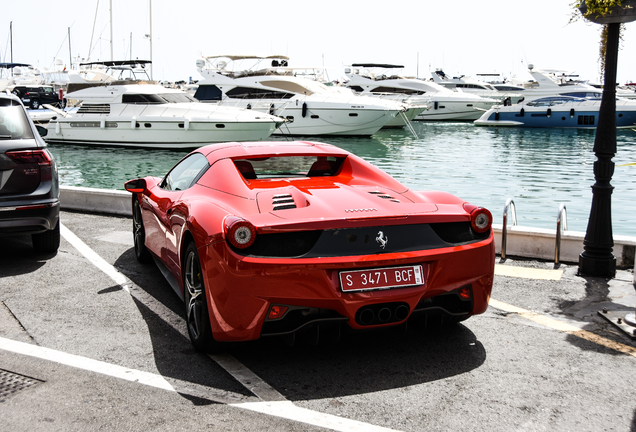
(457, 233)
(363, 241)
(282, 245)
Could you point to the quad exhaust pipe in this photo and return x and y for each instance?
(383, 313)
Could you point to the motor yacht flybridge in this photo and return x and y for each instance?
(149, 115)
(384, 80)
(268, 84)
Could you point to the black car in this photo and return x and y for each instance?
(35, 96)
(29, 185)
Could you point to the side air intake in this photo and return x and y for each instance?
(283, 202)
(384, 195)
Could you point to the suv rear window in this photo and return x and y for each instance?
(14, 123)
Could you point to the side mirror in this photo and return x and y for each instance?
(42, 130)
(136, 186)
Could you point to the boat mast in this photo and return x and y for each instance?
(90, 47)
(70, 55)
(150, 36)
(111, 30)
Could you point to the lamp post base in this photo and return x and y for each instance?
(620, 320)
(599, 267)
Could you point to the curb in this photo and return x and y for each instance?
(525, 242)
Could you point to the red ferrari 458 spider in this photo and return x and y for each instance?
(279, 238)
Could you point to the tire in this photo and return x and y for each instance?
(197, 316)
(139, 235)
(48, 241)
(35, 104)
(17, 93)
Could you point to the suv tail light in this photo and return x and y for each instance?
(41, 157)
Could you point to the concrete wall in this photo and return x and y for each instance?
(524, 242)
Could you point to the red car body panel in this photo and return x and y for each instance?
(241, 287)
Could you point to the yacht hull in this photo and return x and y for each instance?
(321, 120)
(566, 117)
(154, 133)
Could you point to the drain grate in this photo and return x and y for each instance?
(11, 383)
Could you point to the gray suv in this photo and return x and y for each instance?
(29, 185)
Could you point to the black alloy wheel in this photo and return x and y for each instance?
(139, 235)
(35, 104)
(197, 317)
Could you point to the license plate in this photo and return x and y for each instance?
(381, 278)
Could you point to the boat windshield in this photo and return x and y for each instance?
(584, 95)
(14, 123)
(163, 98)
(552, 101)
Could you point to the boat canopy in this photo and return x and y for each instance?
(247, 57)
(12, 65)
(378, 65)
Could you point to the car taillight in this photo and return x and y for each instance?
(41, 157)
(239, 232)
(480, 219)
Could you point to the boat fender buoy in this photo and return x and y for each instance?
(271, 109)
(549, 113)
(249, 106)
(186, 124)
(58, 128)
(304, 109)
(435, 105)
(497, 116)
(522, 112)
(572, 113)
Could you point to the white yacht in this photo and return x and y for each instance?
(268, 84)
(382, 80)
(150, 115)
(501, 91)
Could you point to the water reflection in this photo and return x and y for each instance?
(538, 168)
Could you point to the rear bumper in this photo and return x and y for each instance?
(29, 219)
(241, 291)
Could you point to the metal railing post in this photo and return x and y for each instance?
(562, 225)
(510, 206)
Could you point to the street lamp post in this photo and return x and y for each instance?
(597, 258)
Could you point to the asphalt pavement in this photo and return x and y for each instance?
(92, 340)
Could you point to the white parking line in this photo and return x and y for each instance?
(97, 261)
(275, 404)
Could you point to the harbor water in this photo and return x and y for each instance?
(538, 168)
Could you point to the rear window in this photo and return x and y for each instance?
(14, 123)
(289, 166)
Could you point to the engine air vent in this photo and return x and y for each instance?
(384, 196)
(283, 202)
